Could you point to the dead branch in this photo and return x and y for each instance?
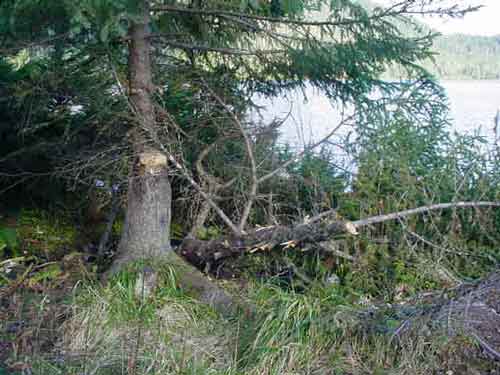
(419, 210)
(473, 311)
(204, 194)
(256, 180)
(212, 180)
(303, 152)
(213, 187)
(251, 157)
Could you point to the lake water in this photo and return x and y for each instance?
(473, 106)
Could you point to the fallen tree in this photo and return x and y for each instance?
(201, 253)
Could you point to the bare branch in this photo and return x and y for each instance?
(251, 156)
(419, 210)
(486, 346)
(200, 190)
(212, 180)
(214, 186)
(304, 151)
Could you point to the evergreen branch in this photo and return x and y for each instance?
(221, 50)
(399, 9)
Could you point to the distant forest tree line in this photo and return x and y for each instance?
(461, 56)
(457, 56)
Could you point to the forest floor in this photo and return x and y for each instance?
(57, 318)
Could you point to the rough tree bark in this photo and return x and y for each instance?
(146, 233)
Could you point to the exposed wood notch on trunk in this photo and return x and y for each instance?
(152, 162)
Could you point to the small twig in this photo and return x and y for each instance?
(205, 195)
(304, 151)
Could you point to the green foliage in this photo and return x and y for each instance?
(388, 274)
(85, 69)
(46, 275)
(8, 239)
(290, 329)
(318, 181)
(44, 234)
(176, 231)
(211, 232)
(403, 165)
(125, 306)
(33, 20)
(404, 156)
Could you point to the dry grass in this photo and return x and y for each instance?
(173, 338)
(111, 331)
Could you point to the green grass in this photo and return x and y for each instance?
(321, 330)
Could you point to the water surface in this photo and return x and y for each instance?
(473, 106)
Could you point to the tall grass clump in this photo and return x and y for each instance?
(291, 332)
(112, 330)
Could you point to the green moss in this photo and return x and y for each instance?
(46, 275)
(8, 240)
(43, 233)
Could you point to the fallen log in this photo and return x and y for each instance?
(201, 253)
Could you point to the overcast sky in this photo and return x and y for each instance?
(485, 21)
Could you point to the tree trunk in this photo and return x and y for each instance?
(146, 233)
